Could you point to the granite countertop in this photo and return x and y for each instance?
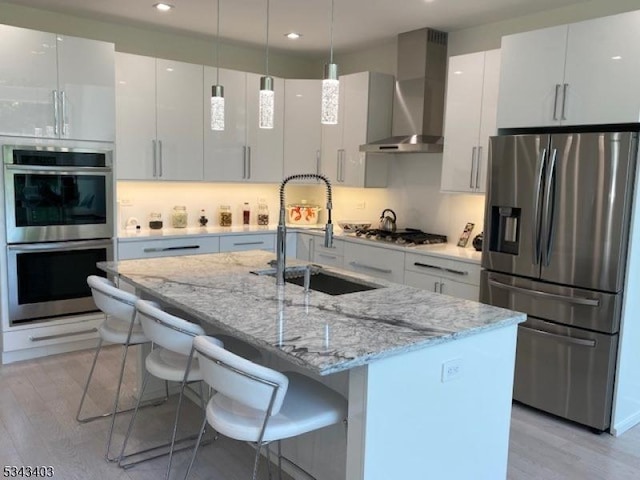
(448, 250)
(320, 332)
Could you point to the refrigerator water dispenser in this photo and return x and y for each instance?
(505, 229)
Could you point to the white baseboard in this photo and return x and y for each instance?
(37, 352)
(628, 423)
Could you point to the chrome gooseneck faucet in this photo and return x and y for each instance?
(281, 254)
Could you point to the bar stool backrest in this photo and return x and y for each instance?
(110, 299)
(240, 379)
(166, 330)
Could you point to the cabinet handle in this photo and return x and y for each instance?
(435, 286)
(369, 267)
(473, 159)
(153, 145)
(457, 272)
(248, 163)
(564, 101)
(555, 102)
(478, 155)
(324, 255)
(160, 162)
(64, 121)
(317, 161)
(56, 113)
(441, 286)
(168, 249)
(338, 166)
(310, 248)
(426, 265)
(244, 162)
(247, 243)
(62, 335)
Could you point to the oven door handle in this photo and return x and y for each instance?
(51, 169)
(54, 246)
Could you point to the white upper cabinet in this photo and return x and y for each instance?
(366, 102)
(225, 150)
(179, 120)
(470, 119)
(243, 152)
(302, 127)
(56, 86)
(577, 74)
(159, 119)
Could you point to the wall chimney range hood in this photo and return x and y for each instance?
(418, 105)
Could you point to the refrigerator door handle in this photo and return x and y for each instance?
(536, 207)
(587, 302)
(549, 209)
(564, 338)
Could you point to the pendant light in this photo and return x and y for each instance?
(217, 90)
(266, 99)
(330, 87)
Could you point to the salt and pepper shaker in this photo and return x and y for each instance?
(246, 214)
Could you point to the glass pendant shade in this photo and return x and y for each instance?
(217, 108)
(266, 103)
(330, 95)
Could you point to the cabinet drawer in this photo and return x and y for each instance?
(443, 285)
(443, 267)
(237, 243)
(337, 249)
(168, 247)
(51, 335)
(375, 261)
(328, 258)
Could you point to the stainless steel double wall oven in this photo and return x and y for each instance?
(59, 223)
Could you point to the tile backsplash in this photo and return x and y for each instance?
(413, 193)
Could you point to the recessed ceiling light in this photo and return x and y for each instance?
(617, 57)
(458, 72)
(163, 7)
(292, 35)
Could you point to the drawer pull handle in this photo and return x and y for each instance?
(369, 267)
(552, 296)
(248, 243)
(167, 249)
(576, 341)
(62, 335)
(324, 255)
(443, 269)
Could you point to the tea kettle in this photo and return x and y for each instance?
(387, 224)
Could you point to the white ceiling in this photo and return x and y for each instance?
(356, 22)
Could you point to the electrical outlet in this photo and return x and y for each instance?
(262, 200)
(451, 369)
(361, 205)
(126, 202)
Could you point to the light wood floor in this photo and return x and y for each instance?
(39, 398)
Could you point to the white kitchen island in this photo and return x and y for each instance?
(428, 377)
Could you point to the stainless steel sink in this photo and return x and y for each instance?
(321, 281)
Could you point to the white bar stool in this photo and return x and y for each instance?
(256, 404)
(173, 340)
(119, 327)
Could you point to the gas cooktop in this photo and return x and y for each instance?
(408, 238)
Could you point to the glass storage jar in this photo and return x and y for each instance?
(155, 221)
(263, 214)
(225, 216)
(179, 216)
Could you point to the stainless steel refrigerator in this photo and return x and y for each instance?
(557, 216)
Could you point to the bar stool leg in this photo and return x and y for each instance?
(195, 448)
(125, 349)
(86, 388)
(133, 417)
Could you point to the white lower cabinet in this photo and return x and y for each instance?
(441, 275)
(375, 261)
(311, 249)
(167, 247)
(238, 243)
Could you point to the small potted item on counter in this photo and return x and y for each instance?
(225, 216)
(302, 213)
(155, 221)
(179, 216)
(263, 214)
(246, 213)
(203, 218)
